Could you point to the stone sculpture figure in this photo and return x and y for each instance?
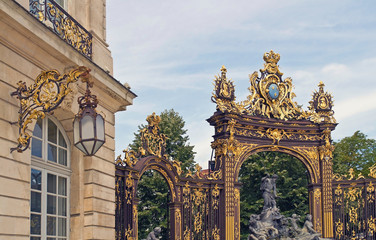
(271, 224)
(269, 191)
(295, 228)
(154, 235)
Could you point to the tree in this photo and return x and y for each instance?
(357, 152)
(153, 191)
(154, 196)
(177, 145)
(292, 185)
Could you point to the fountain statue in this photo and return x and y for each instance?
(271, 224)
(154, 235)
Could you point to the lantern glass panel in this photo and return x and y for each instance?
(100, 127)
(97, 146)
(76, 130)
(87, 127)
(89, 146)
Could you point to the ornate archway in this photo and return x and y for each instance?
(207, 206)
(269, 120)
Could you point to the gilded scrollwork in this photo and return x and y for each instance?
(326, 150)
(372, 171)
(215, 233)
(153, 142)
(321, 104)
(178, 223)
(64, 25)
(370, 193)
(224, 93)
(276, 135)
(317, 196)
(68, 29)
(187, 233)
(350, 176)
(229, 146)
(270, 96)
(46, 94)
(339, 229)
(215, 197)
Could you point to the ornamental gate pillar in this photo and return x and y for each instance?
(176, 219)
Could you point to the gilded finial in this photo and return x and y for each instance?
(153, 119)
(224, 71)
(321, 86)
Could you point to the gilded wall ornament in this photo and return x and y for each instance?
(46, 94)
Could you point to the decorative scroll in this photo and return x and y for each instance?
(64, 25)
(46, 94)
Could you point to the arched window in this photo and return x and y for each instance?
(50, 172)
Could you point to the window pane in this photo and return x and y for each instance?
(51, 183)
(36, 147)
(63, 157)
(34, 238)
(51, 226)
(51, 204)
(52, 131)
(35, 202)
(62, 206)
(52, 153)
(62, 227)
(60, 2)
(38, 129)
(61, 140)
(35, 224)
(62, 186)
(36, 179)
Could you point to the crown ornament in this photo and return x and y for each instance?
(271, 57)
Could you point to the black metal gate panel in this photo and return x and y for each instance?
(354, 209)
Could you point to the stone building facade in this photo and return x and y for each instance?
(51, 190)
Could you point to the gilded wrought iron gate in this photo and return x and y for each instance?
(208, 206)
(354, 208)
(195, 197)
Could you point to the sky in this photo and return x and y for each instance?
(169, 52)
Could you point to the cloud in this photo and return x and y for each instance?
(169, 51)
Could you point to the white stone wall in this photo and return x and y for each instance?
(26, 48)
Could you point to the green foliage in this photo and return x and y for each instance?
(154, 197)
(153, 191)
(357, 152)
(292, 185)
(177, 145)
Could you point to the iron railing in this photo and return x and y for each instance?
(64, 25)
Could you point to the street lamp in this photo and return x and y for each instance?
(46, 94)
(88, 125)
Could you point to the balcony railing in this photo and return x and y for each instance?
(64, 25)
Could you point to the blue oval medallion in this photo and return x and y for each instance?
(273, 91)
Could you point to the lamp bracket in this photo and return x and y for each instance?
(46, 94)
